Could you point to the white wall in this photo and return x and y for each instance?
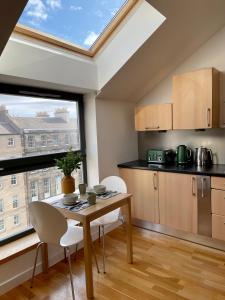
(91, 139)
(140, 25)
(210, 54)
(117, 139)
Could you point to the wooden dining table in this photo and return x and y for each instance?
(86, 215)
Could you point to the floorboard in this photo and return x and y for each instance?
(165, 268)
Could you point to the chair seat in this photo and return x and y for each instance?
(72, 222)
(74, 235)
(109, 218)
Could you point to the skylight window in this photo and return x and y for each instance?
(77, 22)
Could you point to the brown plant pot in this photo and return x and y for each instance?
(68, 184)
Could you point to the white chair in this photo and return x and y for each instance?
(52, 228)
(112, 183)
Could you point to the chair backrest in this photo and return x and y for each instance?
(47, 221)
(115, 183)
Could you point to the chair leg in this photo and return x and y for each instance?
(96, 261)
(65, 257)
(76, 252)
(99, 234)
(103, 246)
(35, 263)
(70, 269)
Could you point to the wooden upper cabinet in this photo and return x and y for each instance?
(143, 185)
(153, 117)
(196, 99)
(178, 201)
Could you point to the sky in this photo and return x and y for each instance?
(19, 106)
(76, 21)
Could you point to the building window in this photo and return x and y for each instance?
(55, 140)
(15, 201)
(58, 188)
(1, 184)
(67, 140)
(44, 140)
(46, 188)
(32, 175)
(1, 205)
(2, 225)
(16, 220)
(13, 180)
(11, 142)
(34, 190)
(31, 141)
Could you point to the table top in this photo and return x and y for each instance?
(93, 212)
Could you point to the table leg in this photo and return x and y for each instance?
(129, 232)
(88, 259)
(44, 254)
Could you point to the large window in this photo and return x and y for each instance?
(40, 119)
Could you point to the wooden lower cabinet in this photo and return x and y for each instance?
(178, 201)
(143, 184)
(218, 227)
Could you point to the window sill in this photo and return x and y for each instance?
(18, 247)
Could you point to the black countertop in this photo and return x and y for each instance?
(214, 170)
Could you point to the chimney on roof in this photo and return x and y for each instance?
(4, 115)
(42, 114)
(62, 113)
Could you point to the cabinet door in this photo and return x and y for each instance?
(143, 185)
(153, 117)
(196, 99)
(178, 201)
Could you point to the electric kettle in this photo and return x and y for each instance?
(183, 155)
(203, 156)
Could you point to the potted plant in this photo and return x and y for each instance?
(70, 162)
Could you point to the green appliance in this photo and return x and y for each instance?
(160, 156)
(183, 155)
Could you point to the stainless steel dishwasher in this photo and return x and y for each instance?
(204, 205)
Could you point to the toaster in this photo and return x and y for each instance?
(160, 156)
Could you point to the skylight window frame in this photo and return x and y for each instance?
(97, 45)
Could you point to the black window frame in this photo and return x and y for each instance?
(24, 164)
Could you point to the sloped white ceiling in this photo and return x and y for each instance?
(189, 23)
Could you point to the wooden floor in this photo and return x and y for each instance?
(164, 268)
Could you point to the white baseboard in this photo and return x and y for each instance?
(54, 257)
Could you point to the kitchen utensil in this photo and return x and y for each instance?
(203, 156)
(160, 156)
(183, 155)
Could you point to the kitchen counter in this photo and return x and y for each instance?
(214, 170)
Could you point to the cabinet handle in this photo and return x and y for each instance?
(208, 116)
(154, 127)
(155, 181)
(193, 186)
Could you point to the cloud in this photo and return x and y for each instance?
(99, 13)
(37, 10)
(90, 39)
(114, 11)
(76, 8)
(54, 3)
